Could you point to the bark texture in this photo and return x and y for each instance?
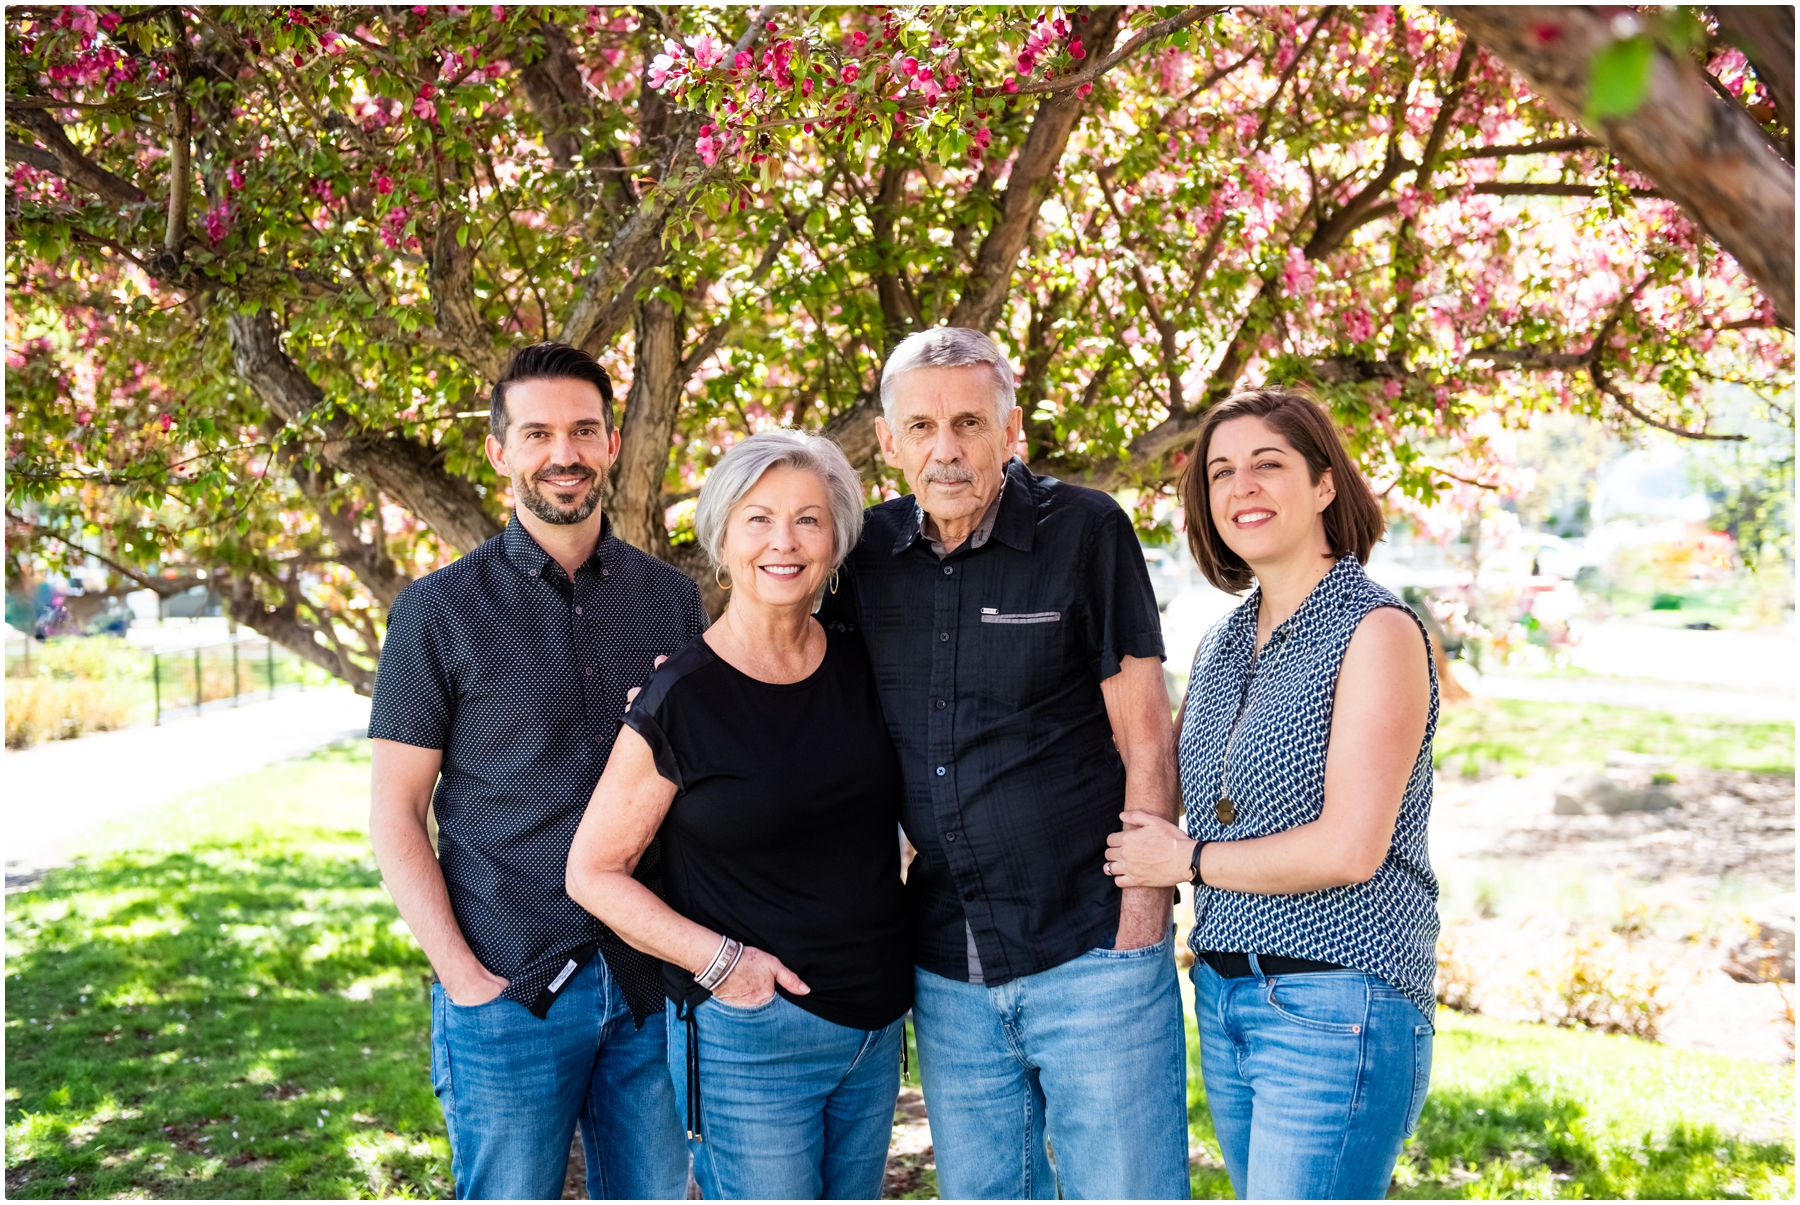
(647, 431)
(408, 471)
(1704, 152)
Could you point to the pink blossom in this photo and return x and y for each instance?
(851, 72)
(858, 39)
(424, 109)
(498, 11)
(708, 51)
(234, 177)
(909, 66)
(983, 137)
(166, 420)
(1391, 389)
(393, 226)
(1076, 50)
(925, 73)
(218, 222)
(1084, 91)
(708, 149)
(929, 88)
(383, 184)
(743, 61)
(418, 10)
(110, 22)
(1011, 85)
(1358, 325)
(1026, 63)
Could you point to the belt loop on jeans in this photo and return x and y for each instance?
(1255, 966)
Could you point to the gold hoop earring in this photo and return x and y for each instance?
(719, 580)
(834, 581)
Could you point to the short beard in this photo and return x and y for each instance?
(541, 505)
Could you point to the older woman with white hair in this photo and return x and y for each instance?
(757, 759)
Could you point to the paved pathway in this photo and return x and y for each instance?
(1658, 695)
(58, 791)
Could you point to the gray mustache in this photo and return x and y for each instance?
(951, 473)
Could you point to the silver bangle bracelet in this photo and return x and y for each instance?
(723, 963)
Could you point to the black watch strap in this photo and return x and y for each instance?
(1194, 866)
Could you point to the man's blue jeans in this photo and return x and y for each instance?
(792, 1106)
(1315, 1080)
(512, 1087)
(1085, 1062)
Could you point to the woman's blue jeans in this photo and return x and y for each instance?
(1315, 1081)
(792, 1106)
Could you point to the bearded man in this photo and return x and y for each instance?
(501, 685)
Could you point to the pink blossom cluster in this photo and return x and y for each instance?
(218, 221)
(393, 226)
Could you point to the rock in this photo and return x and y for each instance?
(1767, 956)
(1598, 795)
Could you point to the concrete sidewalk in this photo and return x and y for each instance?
(61, 790)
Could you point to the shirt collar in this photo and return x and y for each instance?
(525, 552)
(1009, 517)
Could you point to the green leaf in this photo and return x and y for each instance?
(1621, 78)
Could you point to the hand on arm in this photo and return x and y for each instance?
(628, 806)
(1378, 721)
(1137, 705)
(404, 778)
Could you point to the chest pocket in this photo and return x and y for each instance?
(993, 615)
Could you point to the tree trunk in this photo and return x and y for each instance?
(1705, 153)
(647, 431)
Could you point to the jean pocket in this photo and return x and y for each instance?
(1149, 951)
(746, 1010)
(1422, 1042)
(1335, 1002)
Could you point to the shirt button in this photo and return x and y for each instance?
(941, 704)
(590, 671)
(949, 836)
(944, 636)
(577, 610)
(948, 570)
(940, 771)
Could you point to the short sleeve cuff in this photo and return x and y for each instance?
(1141, 644)
(645, 725)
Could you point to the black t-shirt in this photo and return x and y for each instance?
(784, 833)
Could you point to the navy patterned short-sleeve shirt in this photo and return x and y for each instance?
(1257, 728)
(519, 675)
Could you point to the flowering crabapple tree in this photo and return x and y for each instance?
(266, 261)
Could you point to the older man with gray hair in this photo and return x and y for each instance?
(1018, 650)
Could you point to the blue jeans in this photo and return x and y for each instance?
(1315, 1080)
(792, 1106)
(1087, 1061)
(512, 1087)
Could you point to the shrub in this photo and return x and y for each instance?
(48, 709)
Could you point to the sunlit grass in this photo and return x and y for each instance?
(1520, 735)
(222, 1002)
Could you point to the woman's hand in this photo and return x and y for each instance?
(752, 981)
(1148, 852)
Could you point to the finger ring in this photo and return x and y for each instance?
(1107, 867)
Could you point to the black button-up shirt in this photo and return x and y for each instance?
(989, 663)
(519, 675)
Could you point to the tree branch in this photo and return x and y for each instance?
(1709, 156)
(72, 165)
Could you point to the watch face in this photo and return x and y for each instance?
(1225, 810)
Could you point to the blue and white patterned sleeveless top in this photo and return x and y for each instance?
(1274, 713)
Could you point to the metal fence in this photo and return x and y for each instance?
(156, 679)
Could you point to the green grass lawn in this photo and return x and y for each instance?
(221, 1002)
(1521, 735)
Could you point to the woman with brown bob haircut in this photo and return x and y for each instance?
(1305, 755)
